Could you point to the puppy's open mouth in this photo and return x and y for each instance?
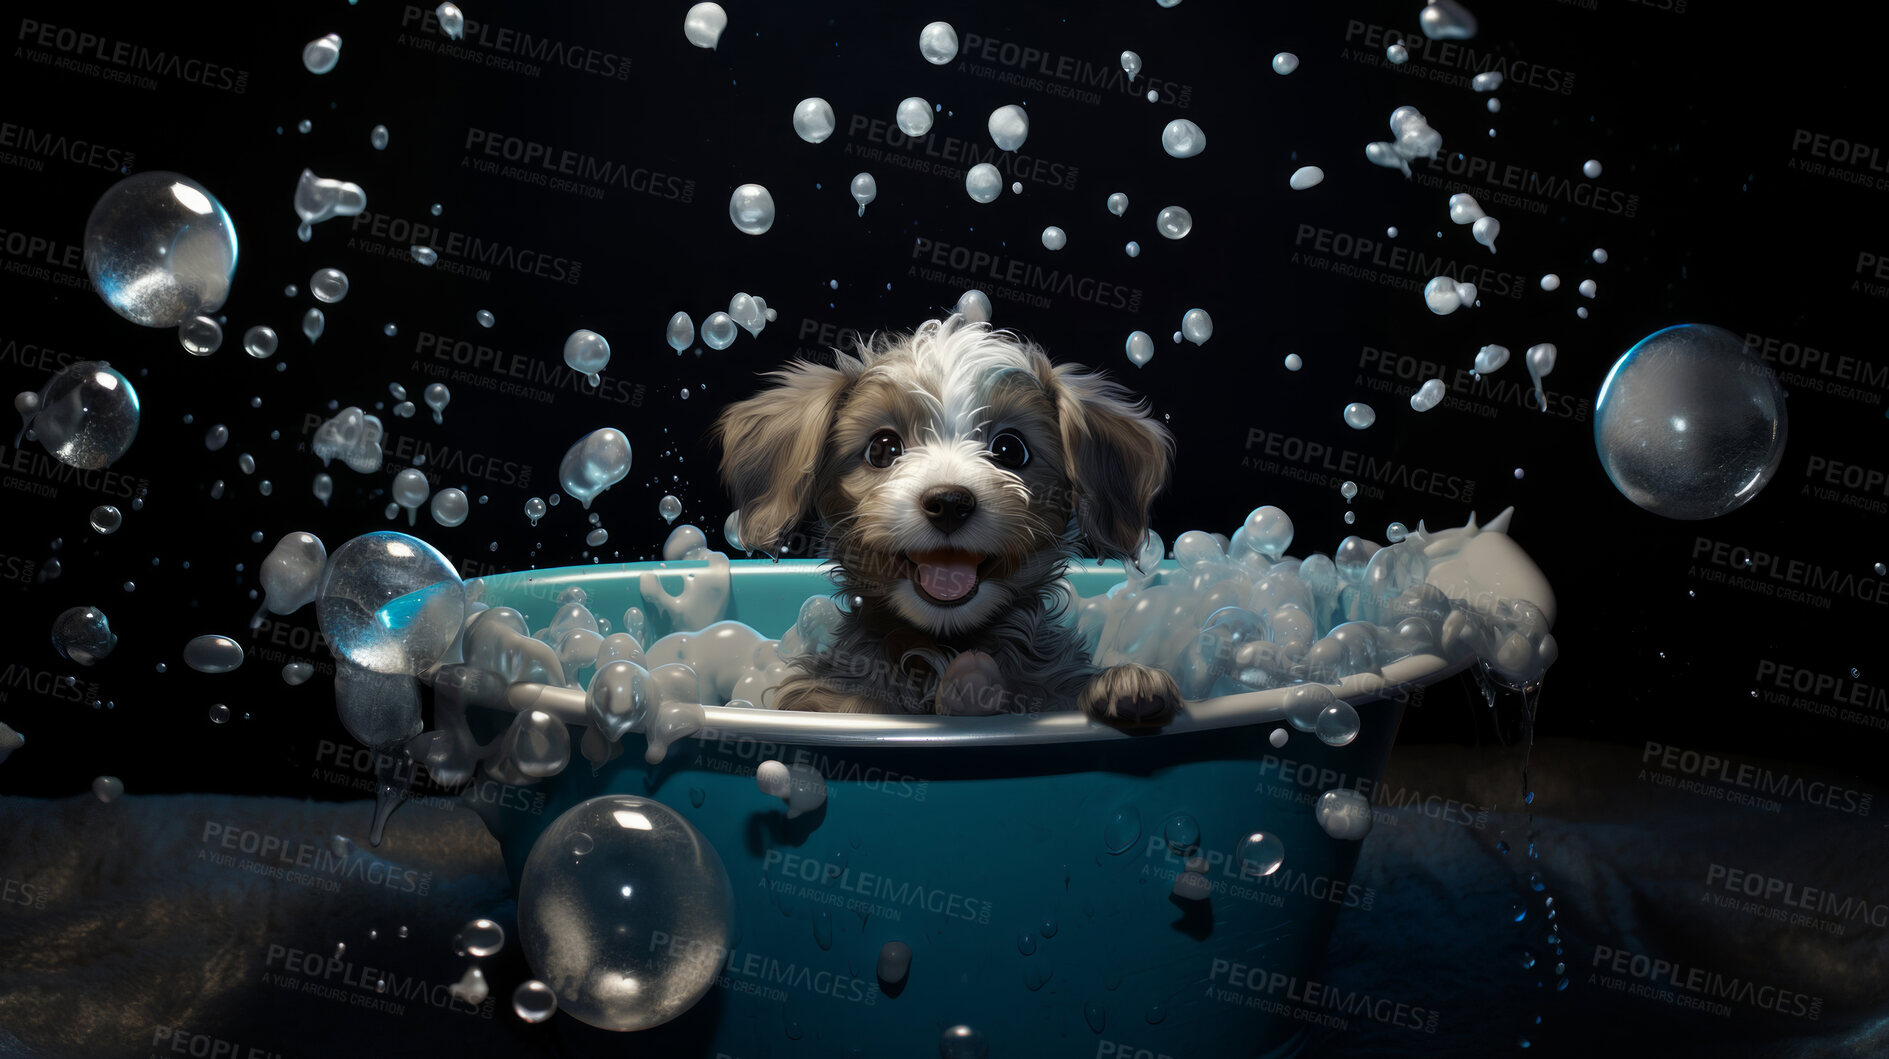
(945, 577)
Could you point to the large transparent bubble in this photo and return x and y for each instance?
(1690, 424)
(86, 415)
(390, 603)
(625, 911)
(160, 249)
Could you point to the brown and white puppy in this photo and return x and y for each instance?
(953, 471)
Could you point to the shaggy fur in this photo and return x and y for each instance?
(904, 520)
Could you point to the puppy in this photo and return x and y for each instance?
(952, 472)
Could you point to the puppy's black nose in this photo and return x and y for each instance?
(948, 506)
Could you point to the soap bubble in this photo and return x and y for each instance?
(1197, 326)
(938, 43)
(974, 305)
(321, 54)
(260, 342)
(480, 938)
(586, 352)
(680, 333)
(1260, 854)
(704, 25)
(106, 519)
(1140, 348)
(1305, 177)
(533, 1001)
(983, 182)
(83, 635)
(1689, 423)
(598, 461)
(1183, 139)
(813, 119)
(591, 925)
(160, 249)
(86, 415)
(390, 603)
(450, 507)
(1009, 127)
(411, 489)
(291, 574)
(751, 209)
(1174, 222)
(1344, 813)
(718, 331)
(328, 285)
(200, 336)
(452, 21)
(864, 189)
(914, 116)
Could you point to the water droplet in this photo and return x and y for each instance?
(1095, 1015)
(1428, 396)
(108, 788)
(305, 127)
(485, 318)
(1260, 854)
(1118, 204)
(1131, 64)
(1026, 943)
(219, 714)
(962, 1042)
(1140, 348)
(481, 937)
(1345, 814)
(1305, 177)
(378, 137)
(1294, 362)
(718, 331)
(1359, 416)
(425, 255)
(1054, 238)
(437, 397)
(313, 322)
(1284, 63)
(534, 509)
(1174, 222)
(216, 437)
(1048, 929)
(669, 508)
(1591, 169)
(983, 182)
(1122, 829)
(1182, 834)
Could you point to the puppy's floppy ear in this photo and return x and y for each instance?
(1118, 459)
(771, 446)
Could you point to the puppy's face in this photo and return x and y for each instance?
(946, 467)
(947, 481)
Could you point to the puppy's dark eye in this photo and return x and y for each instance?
(884, 447)
(1008, 450)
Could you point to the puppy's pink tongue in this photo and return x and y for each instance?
(947, 573)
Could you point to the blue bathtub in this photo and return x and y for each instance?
(1024, 860)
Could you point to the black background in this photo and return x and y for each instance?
(1693, 110)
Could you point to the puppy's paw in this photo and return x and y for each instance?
(1131, 695)
(971, 686)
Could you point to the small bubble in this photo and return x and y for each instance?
(219, 714)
